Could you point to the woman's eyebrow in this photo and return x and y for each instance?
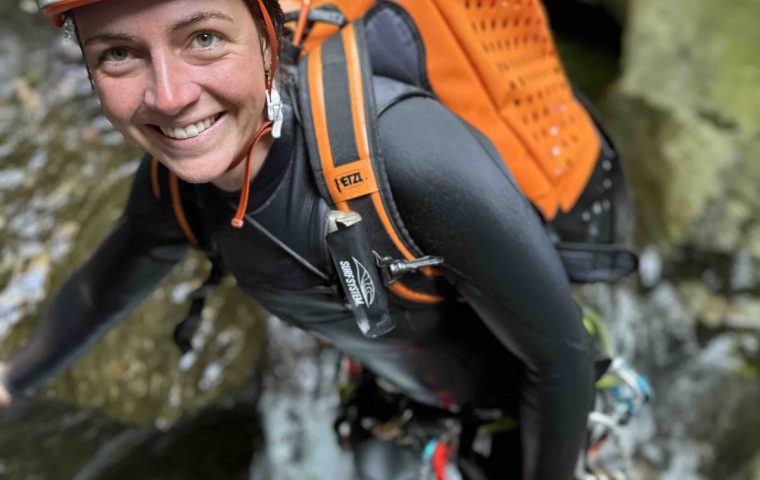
(185, 22)
(199, 17)
(110, 38)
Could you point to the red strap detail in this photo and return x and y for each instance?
(237, 220)
(440, 460)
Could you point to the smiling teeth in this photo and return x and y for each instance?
(190, 131)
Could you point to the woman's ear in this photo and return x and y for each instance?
(266, 53)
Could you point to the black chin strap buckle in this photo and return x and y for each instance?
(392, 269)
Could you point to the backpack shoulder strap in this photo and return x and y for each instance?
(340, 124)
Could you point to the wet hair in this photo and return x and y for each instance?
(275, 13)
(69, 28)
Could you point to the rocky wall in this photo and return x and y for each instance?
(64, 177)
(684, 112)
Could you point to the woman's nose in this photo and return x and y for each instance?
(172, 88)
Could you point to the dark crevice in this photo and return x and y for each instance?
(589, 39)
(591, 25)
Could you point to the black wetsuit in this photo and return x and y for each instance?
(517, 340)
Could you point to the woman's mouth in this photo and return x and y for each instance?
(190, 131)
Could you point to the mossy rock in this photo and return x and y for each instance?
(685, 113)
(75, 177)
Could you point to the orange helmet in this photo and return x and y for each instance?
(54, 9)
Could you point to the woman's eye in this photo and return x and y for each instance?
(205, 40)
(115, 55)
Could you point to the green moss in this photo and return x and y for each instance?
(749, 372)
(686, 111)
(700, 56)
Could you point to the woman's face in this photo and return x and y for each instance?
(184, 79)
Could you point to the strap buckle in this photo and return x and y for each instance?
(392, 269)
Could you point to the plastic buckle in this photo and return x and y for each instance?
(274, 111)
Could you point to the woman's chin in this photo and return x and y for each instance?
(195, 173)
(195, 177)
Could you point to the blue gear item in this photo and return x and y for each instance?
(622, 394)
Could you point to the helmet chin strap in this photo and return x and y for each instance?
(273, 124)
(237, 220)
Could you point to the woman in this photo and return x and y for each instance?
(190, 82)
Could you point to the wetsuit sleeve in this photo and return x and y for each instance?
(459, 201)
(140, 250)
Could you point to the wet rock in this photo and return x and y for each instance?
(700, 423)
(650, 267)
(47, 439)
(67, 50)
(298, 408)
(743, 313)
(718, 394)
(28, 6)
(10, 54)
(687, 93)
(217, 442)
(30, 99)
(716, 311)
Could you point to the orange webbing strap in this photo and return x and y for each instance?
(176, 198)
(351, 9)
(495, 64)
(342, 145)
(301, 25)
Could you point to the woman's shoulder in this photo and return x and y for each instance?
(422, 142)
(389, 91)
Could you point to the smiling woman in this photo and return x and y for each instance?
(192, 82)
(183, 80)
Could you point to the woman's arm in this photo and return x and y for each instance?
(141, 249)
(458, 201)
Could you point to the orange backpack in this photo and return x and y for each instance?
(494, 63)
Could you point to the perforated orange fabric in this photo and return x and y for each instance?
(494, 63)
